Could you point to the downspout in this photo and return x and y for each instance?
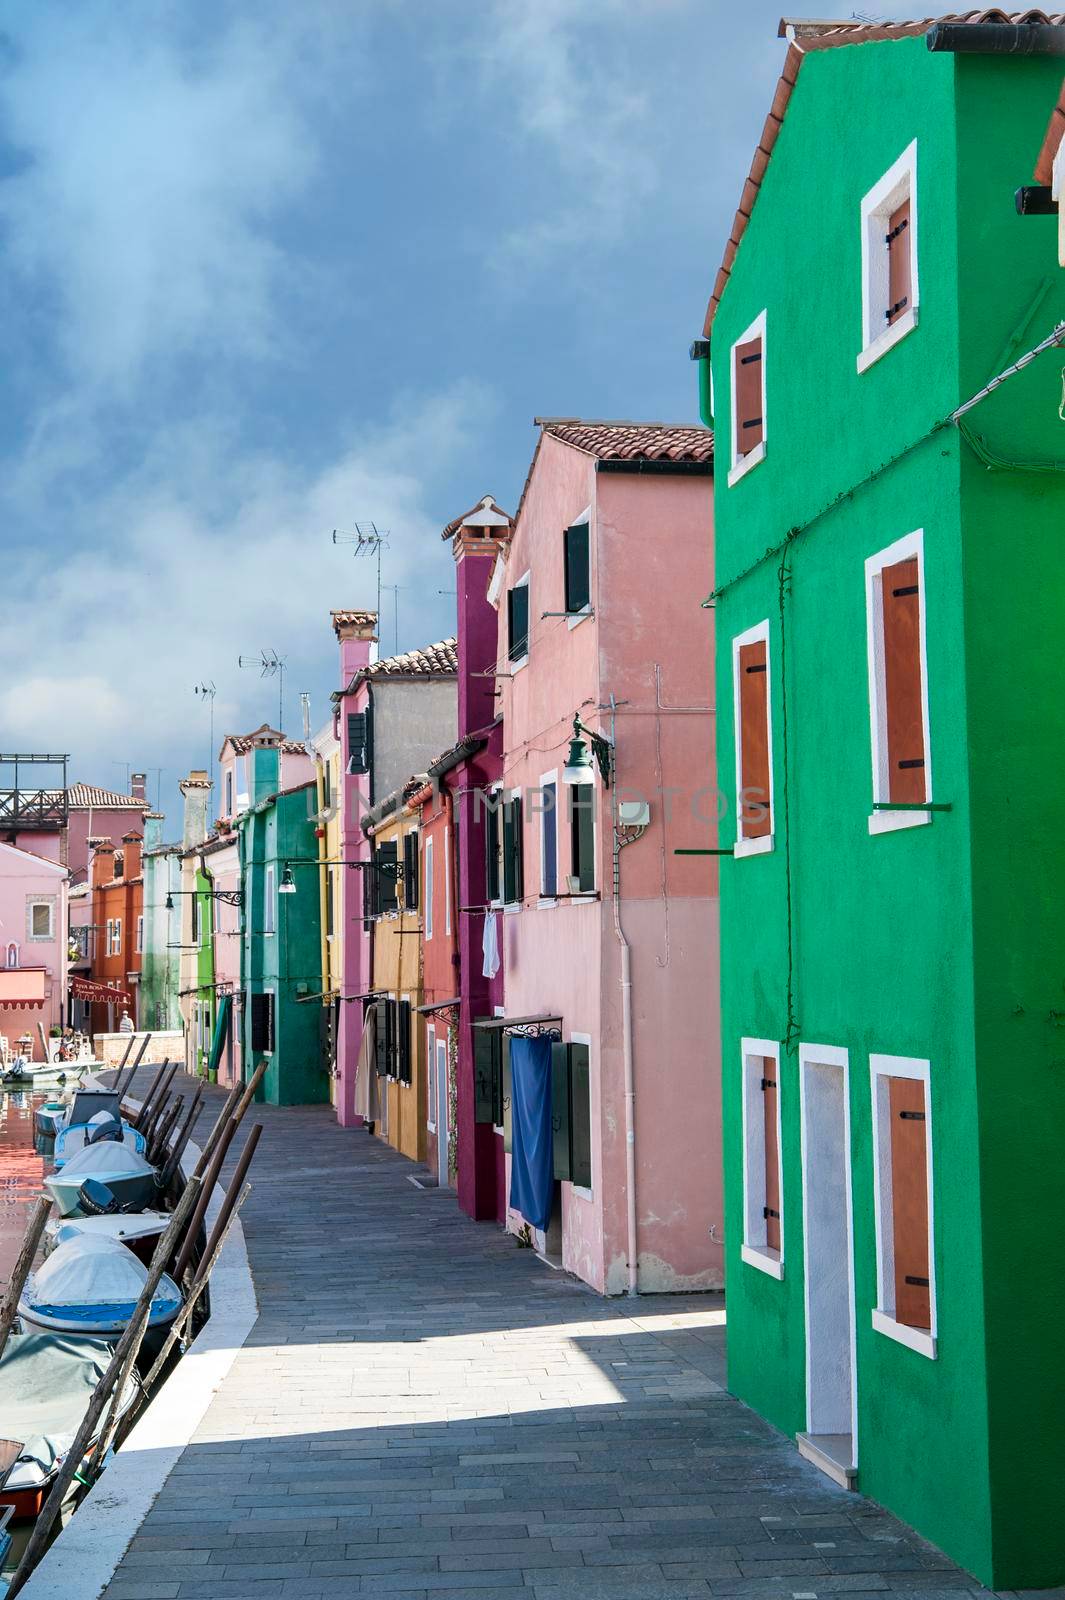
(626, 1028)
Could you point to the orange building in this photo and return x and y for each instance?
(117, 938)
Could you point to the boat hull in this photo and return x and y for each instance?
(137, 1191)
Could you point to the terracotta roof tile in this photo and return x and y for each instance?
(632, 441)
(83, 795)
(365, 619)
(242, 742)
(432, 660)
(803, 37)
(1044, 168)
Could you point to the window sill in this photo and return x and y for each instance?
(892, 821)
(511, 908)
(766, 1261)
(546, 902)
(578, 617)
(745, 463)
(516, 666)
(884, 341)
(581, 1190)
(754, 847)
(913, 1338)
(430, 1127)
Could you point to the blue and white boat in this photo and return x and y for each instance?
(91, 1285)
(130, 1178)
(101, 1128)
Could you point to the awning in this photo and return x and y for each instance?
(440, 1005)
(516, 1022)
(85, 989)
(22, 987)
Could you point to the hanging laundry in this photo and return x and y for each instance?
(490, 945)
(532, 1183)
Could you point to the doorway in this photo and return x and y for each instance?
(442, 1108)
(830, 1440)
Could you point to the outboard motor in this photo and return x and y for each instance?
(103, 1127)
(17, 1069)
(96, 1199)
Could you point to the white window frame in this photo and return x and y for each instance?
(754, 1250)
(512, 907)
(912, 544)
(442, 1112)
(432, 1111)
(546, 901)
(898, 184)
(586, 1191)
(11, 953)
(522, 661)
(270, 900)
(880, 1069)
(577, 617)
(427, 873)
(739, 465)
(115, 938)
(447, 880)
(48, 901)
(494, 790)
(762, 845)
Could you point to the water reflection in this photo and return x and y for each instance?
(22, 1169)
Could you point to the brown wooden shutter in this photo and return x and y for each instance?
(754, 741)
(899, 244)
(770, 1091)
(902, 683)
(909, 1201)
(748, 422)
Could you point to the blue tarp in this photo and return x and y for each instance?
(532, 1154)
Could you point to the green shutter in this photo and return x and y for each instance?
(382, 1017)
(386, 860)
(582, 835)
(580, 1099)
(505, 1078)
(403, 1062)
(518, 622)
(491, 846)
(358, 742)
(578, 575)
(509, 859)
(560, 1110)
(485, 1051)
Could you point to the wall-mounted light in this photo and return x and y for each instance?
(585, 755)
(288, 882)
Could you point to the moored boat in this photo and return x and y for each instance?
(138, 1230)
(49, 1118)
(91, 1285)
(101, 1128)
(130, 1178)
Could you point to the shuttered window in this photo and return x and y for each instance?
(909, 1201)
(386, 887)
(549, 840)
(492, 844)
(898, 240)
(385, 1019)
(262, 1023)
(582, 837)
(770, 1089)
(358, 741)
(410, 871)
(763, 1211)
(903, 689)
(488, 1075)
(403, 1040)
(518, 621)
(513, 851)
(577, 556)
(749, 421)
(753, 739)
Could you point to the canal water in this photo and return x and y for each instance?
(22, 1170)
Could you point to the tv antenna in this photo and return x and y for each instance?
(270, 665)
(395, 588)
(206, 691)
(367, 540)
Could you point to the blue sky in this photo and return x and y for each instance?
(268, 269)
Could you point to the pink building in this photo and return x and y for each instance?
(33, 946)
(94, 813)
(234, 761)
(607, 935)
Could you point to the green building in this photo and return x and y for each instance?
(890, 584)
(202, 997)
(161, 958)
(281, 943)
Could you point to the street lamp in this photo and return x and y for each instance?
(579, 766)
(288, 882)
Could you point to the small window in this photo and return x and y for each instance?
(754, 743)
(269, 907)
(42, 919)
(385, 873)
(262, 1023)
(763, 1219)
(229, 792)
(889, 259)
(748, 400)
(582, 838)
(410, 870)
(12, 952)
(197, 921)
(898, 700)
(119, 863)
(140, 934)
(428, 922)
(329, 914)
(549, 839)
(116, 937)
(902, 1175)
(518, 620)
(493, 844)
(358, 741)
(513, 851)
(327, 770)
(577, 557)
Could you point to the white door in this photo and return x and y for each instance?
(829, 1277)
(441, 1112)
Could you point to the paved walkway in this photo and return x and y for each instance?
(424, 1409)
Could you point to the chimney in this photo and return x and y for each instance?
(153, 829)
(138, 784)
(265, 758)
(103, 860)
(476, 542)
(195, 790)
(356, 633)
(131, 847)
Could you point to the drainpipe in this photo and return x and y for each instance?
(626, 1029)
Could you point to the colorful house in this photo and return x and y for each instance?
(96, 813)
(220, 866)
(394, 716)
(326, 746)
(397, 1102)
(161, 956)
(429, 887)
(888, 537)
(33, 948)
(195, 909)
(118, 923)
(281, 943)
(605, 930)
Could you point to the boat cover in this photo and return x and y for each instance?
(103, 1161)
(45, 1383)
(119, 1225)
(70, 1140)
(95, 1280)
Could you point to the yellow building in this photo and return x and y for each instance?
(397, 975)
(326, 747)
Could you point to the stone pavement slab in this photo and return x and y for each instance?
(424, 1409)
